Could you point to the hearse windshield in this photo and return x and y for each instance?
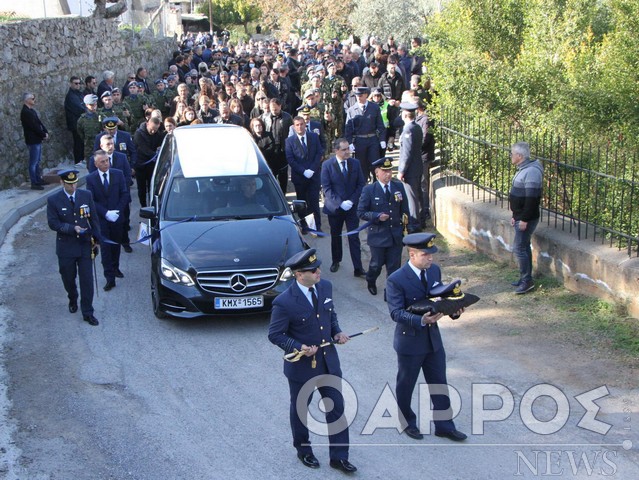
(223, 198)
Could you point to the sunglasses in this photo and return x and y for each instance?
(76, 83)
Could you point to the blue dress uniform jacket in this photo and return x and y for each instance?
(294, 322)
(403, 288)
(123, 144)
(373, 202)
(419, 348)
(62, 218)
(73, 249)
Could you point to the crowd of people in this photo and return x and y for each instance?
(328, 110)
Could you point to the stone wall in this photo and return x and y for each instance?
(40, 56)
(583, 266)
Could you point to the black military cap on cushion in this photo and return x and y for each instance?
(304, 260)
(446, 299)
(385, 163)
(361, 90)
(69, 175)
(421, 241)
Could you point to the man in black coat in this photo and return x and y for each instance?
(73, 109)
(148, 139)
(34, 134)
(278, 123)
(71, 214)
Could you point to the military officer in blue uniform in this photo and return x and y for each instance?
(417, 340)
(365, 130)
(122, 140)
(384, 203)
(71, 214)
(303, 318)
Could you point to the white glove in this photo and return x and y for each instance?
(351, 147)
(112, 215)
(308, 173)
(382, 144)
(346, 205)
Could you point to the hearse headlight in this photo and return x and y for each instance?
(174, 274)
(286, 274)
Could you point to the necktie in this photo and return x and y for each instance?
(314, 297)
(422, 277)
(343, 164)
(71, 200)
(387, 192)
(106, 181)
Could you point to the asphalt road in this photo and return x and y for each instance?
(142, 398)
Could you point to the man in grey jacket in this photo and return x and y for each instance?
(411, 167)
(524, 200)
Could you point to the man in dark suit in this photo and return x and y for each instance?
(411, 167)
(418, 342)
(303, 154)
(111, 195)
(303, 318)
(71, 214)
(384, 203)
(342, 182)
(118, 160)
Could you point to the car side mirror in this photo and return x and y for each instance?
(299, 207)
(148, 213)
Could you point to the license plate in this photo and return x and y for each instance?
(241, 302)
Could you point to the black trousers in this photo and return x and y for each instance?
(111, 253)
(143, 176)
(309, 191)
(336, 222)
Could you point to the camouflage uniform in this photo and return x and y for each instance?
(331, 96)
(115, 111)
(161, 102)
(136, 108)
(89, 125)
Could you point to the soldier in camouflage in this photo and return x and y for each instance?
(89, 124)
(136, 102)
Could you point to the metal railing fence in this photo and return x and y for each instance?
(589, 189)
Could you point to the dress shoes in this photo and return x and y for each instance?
(413, 432)
(119, 274)
(372, 288)
(109, 286)
(343, 465)
(516, 283)
(73, 306)
(334, 267)
(127, 248)
(36, 186)
(308, 460)
(525, 287)
(91, 320)
(359, 273)
(454, 435)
